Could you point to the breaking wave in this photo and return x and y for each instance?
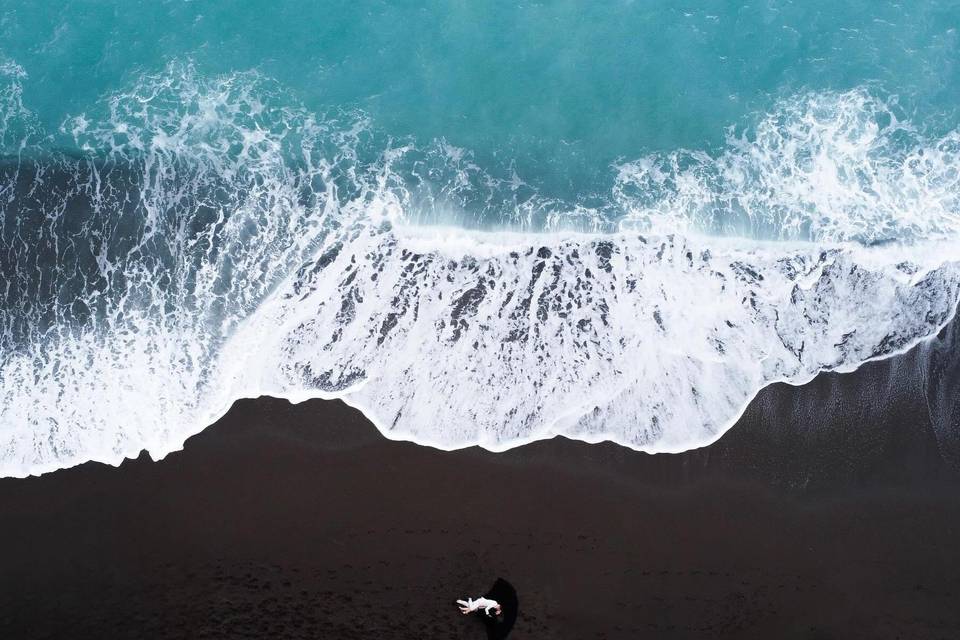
(191, 241)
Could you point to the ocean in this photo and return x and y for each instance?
(481, 223)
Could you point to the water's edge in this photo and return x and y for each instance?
(922, 374)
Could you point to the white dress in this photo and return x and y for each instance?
(472, 605)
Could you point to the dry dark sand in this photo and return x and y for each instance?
(829, 511)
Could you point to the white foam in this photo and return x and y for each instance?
(451, 350)
(232, 250)
(825, 167)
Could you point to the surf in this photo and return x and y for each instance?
(209, 238)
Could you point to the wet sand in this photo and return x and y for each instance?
(829, 511)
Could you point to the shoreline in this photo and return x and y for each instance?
(917, 354)
(300, 521)
(814, 517)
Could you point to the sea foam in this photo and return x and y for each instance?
(208, 239)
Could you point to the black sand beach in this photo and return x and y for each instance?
(828, 511)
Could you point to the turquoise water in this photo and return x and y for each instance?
(557, 90)
(481, 223)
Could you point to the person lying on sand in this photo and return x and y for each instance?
(470, 605)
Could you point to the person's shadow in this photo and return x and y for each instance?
(498, 627)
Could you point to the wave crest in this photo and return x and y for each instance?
(828, 167)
